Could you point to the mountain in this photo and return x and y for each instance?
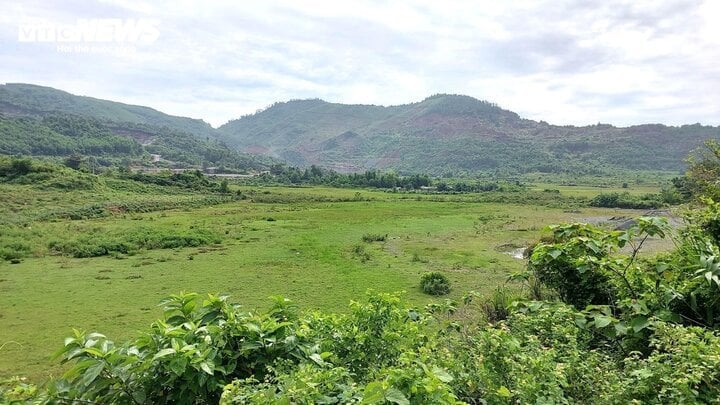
(454, 134)
(29, 99)
(43, 121)
(441, 135)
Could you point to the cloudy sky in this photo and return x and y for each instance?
(565, 62)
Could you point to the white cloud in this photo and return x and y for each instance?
(566, 62)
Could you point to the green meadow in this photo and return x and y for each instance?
(303, 243)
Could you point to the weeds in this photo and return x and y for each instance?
(374, 237)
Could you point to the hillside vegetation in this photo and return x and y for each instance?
(40, 121)
(455, 135)
(443, 135)
(29, 99)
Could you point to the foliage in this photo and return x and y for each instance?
(130, 242)
(32, 99)
(374, 237)
(441, 136)
(497, 307)
(209, 351)
(94, 134)
(381, 352)
(703, 172)
(622, 295)
(435, 283)
(626, 200)
(570, 264)
(684, 367)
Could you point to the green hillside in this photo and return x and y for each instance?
(41, 121)
(29, 99)
(451, 134)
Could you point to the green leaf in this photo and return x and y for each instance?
(207, 367)
(178, 365)
(580, 321)
(317, 359)
(374, 393)
(504, 392)
(252, 327)
(602, 321)
(164, 352)
(91, 373)
(94, 352)
(639, 323)
(555, 253)
(395, 396)
(442, 375)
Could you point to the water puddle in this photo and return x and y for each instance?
(518, 253)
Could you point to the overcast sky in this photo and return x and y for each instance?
(565, 62)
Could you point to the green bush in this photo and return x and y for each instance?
(435, 283)
(497, 308)
(382, 351)
(373, 237)
(14, 250)
(360, 253)
(569, 264)
(128, 242)
(627, 200)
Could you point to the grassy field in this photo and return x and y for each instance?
(303, 243)
(588, 191)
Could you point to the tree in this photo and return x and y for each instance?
(74, 161)
(224, 186)
(703, 175)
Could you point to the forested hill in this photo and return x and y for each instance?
(26, 99)
(452, 134)
(441, 135)
(42, 121)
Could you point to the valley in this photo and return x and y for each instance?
(302, 243)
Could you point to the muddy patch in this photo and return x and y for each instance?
(652, 244)
(513, 249)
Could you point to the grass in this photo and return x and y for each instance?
(303, 243)
(589, 191)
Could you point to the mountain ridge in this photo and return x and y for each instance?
(443, 134)
(450, 134)
(20, 95)
(43, 121)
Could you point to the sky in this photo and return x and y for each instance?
(621, 62)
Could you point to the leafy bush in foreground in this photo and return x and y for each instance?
(382, 351)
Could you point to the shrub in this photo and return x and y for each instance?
(129, 242)
(373, 237)
(21, 167)
(14, 250)
(360, 253)
(382, 351)
(435, 283)
(497, 308)
(627, 200)
(570, 264)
